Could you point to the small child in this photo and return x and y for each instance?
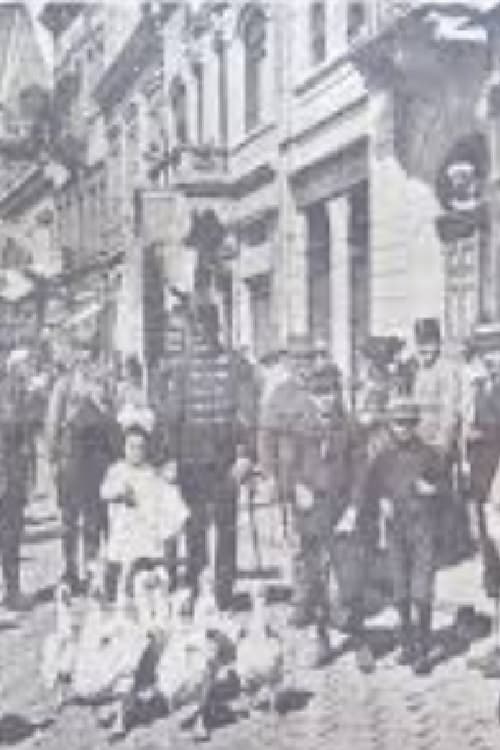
(407, 480)
(144, 509)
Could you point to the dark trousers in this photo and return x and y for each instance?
(310, 566)
(11, 528)
(211, 496)
(91, 512)
(412, 561)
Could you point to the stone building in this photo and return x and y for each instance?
(344, 153)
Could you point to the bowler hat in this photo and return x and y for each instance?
(403, 409)
(427, 329)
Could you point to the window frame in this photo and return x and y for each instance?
(254, 35)
(317, 32)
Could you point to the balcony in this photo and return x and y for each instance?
(447, 20)
(409, 40)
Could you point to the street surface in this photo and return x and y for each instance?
(336, 707)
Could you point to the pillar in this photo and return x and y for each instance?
(340, 284)
(290, 282)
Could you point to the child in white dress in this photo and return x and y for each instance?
(144, 509)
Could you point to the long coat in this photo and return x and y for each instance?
(82, 441)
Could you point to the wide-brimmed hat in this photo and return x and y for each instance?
(403, 409)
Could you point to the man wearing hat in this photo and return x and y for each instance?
(15, 431)
(406, 480)
(291, 453)
(70, 397)
(209, 429)
(436, 390)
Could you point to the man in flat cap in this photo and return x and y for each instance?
(406, 480)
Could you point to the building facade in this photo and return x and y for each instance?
(345, 153)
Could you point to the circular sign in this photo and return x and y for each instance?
(462, 176)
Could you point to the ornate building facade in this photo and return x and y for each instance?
(343, 153)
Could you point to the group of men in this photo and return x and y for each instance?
(388, 466)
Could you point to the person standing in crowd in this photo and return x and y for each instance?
(15, 432)
(293, 453)
(406, 479)
(436, 391)
(481, 430)
(73, 417)
(207, 438)
(131, 390)
(369, 436)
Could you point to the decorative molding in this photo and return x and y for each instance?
(333, 176)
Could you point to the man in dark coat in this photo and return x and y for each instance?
(207, 434)
(82, 440)
(15, 431)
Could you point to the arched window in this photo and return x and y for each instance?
(254, 39)
(178, 103)
(317, 31)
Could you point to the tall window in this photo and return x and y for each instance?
(319, 272)
(317, 32)
(178, 103)
(254, 37)
(200, 95)
(357, 18)
(260, 310)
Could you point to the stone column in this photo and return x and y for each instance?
(295, 277)
(340, 284)
(389, 221)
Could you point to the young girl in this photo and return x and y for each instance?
(144, 509)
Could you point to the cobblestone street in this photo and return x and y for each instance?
(336, 706)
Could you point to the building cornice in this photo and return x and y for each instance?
(144, 47)
(24, 193)
(57, 17)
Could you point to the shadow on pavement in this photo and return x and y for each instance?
(15, 729)
(456, 639)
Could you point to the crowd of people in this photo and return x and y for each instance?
(136, 468)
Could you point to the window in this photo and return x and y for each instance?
(200, 93)
(356, 20)
(178, 103)
(317, 31)
(319, 272)
(254, 38)
(260, 311)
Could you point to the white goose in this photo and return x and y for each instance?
(59, 648)
(187, 669)
(260, 655)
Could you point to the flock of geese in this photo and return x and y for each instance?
(162, 646)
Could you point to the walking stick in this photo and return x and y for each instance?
(251, 495)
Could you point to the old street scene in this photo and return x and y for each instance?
(250, 374)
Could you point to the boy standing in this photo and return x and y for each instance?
(406, 479)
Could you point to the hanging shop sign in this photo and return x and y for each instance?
(462, 177)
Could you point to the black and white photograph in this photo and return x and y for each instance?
(250, 375)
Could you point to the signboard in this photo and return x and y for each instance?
(462, 178)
